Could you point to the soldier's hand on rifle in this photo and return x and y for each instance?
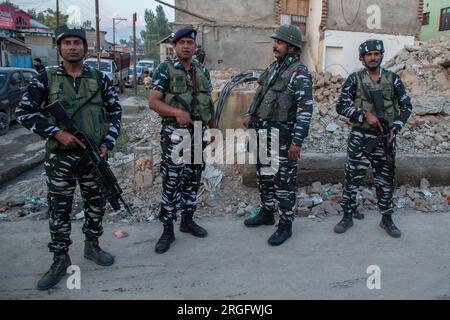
(294, 152)
(104, 153)
(184, 119)
(68, 140)
(373, 121)
(246, 119)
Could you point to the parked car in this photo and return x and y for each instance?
(139, 74)
(149, 64)
(13, 84)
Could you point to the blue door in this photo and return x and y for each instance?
(22, 61)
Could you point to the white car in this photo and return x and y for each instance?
(149, 64)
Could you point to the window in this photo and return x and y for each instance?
(28, 76)
(20, 21)
(426, 19)
(16, 81)
(445, 19)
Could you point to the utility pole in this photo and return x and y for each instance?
(134, 54)
(114, 51)
(57, 25)
(114, 31)
(97, 27)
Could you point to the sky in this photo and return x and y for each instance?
(109, 9)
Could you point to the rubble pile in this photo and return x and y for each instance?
(319, 201)
(27, 199)
(424, 68)
(425, 132)
(220, 78)
(326, 87)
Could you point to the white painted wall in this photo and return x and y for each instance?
(311, 48)
(350, 41)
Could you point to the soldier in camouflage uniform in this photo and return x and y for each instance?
(90, 99)
(181, 94)
(357, 102)
(287, 106)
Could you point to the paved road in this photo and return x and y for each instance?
(236, 263)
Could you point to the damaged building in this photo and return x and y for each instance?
(236, 33)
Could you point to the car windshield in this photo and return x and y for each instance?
(146, 64)
(3, 78)
(104, 66)
(131, 70)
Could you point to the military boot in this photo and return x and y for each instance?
(387, 224)
(263, 217)
(283, 233)
(61, 261)
(189, 226)
(93, 252)
(166, 239)
(345, 224)
(358, 215)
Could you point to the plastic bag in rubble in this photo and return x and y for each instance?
(316, 200)
(211, 180)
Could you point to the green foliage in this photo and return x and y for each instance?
(121, 145)
(48, 17)
(157, 27)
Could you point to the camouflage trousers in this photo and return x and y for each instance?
(358, 162)
(279, 187)
(63, 171)
(181, 181)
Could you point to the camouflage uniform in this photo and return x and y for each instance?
(288, 107)
(181, 181)
(398, 108)
(101, 121)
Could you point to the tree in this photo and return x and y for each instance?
(48, 17)
(8, 4)
(157, 27)
(87, 24)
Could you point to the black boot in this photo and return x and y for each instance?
(189, 226)
(283, 233)
(93, 252)
(61, 261)
(166, 239)
(345, 224)
(387, 224)
(264, 217)
(358, 215)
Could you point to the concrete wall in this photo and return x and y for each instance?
(252, 12)
(340, 53)
(237, 47)
(431, 31)
(240, 38)
(410, 169)
(397, 17)
(311, 49)
(42, 47)
(235, 106)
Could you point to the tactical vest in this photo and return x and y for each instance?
(277, 104)
(179, 86)
(92, 118)
(386, 85)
